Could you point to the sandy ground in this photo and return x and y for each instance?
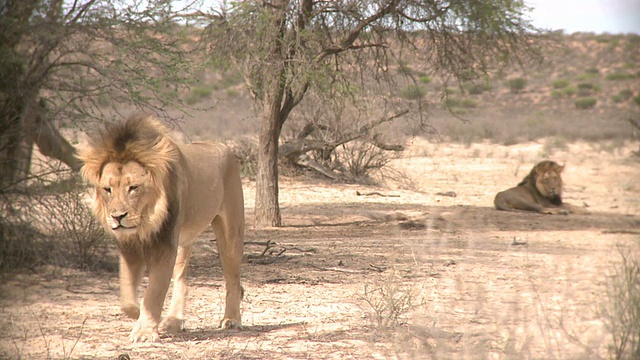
(409, 274)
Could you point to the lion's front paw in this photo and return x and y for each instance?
(227, 323)
(171, 325)
(144, 333)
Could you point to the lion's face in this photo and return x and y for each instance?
(127, 198)
(549, 181)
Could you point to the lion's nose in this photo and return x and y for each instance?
(118, 217)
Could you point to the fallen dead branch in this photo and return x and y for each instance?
(273, 251)
(621, 231)
(351, 271)
(337, 269)
(375, 193)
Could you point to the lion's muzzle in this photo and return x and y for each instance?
(116, 220)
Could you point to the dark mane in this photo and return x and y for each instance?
(530, 180)
(141, 138)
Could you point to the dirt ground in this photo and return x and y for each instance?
(395, 272)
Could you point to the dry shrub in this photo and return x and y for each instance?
(361, 160)
(51, 224)
(389, 302)
(246, 151)
(621, 310)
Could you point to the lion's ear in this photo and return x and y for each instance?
(560, 168)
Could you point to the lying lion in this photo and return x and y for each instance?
(540, 191)
(156, 197)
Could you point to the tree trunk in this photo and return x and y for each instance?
(267, 209)
(11, 147)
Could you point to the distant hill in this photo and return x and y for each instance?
(587, 88)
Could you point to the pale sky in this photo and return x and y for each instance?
(598, 16)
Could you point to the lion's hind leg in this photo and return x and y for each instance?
(574, 209)
(174, 321)
(230, 243)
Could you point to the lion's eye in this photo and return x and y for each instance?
(107, 190)
(133, 188)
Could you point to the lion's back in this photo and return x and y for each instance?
(212, 172)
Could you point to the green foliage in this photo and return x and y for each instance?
(425, 79)
(556, 94)
(460, 103)
(228, 80)
(84, 51)
(566, 92)
(516, 85)
(585, 103)
(560, 84)
(276, 57)
(570, 91)
(468, 103)
(589, 74)
(450, 90)
(478, 88)
(586, 89)
(467, 75)
(413, 92)
(616, 76)
(617, 99)
(636, 100)
(622, 96)
(232, 93)
(405, 69)
(198, 94)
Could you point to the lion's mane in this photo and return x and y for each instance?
(531, 181)
(142, 139)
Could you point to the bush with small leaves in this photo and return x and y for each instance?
(197, 94)
(468, 103)
(556, 94)
(560, 84)
(622, 96)
(479, 87)
(516, 85)
(586, 103)
(570, 91)
(619, 76)
(413, 92)
(425, 79)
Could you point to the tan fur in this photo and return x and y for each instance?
(156, 197)
(540, 191)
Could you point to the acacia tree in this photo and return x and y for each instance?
(70, 62)
(284, 48)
